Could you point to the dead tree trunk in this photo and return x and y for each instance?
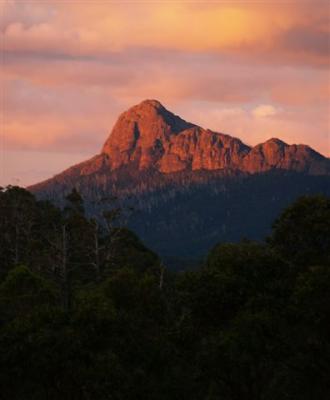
(66, 286)
(97, 253)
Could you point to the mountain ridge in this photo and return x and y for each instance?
(149, 137)
(190, 187)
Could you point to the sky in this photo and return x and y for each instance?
(252, 69)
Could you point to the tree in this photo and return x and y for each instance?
(306, 367)
(17, 219)
(236, 276)
(22, 292)
(232, 319)
(301, 234)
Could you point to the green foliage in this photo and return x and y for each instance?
(236, 276)
(302, 232)
(23, 292)
(252, 323)
(128, 250)
(74, 204)
(17, 220)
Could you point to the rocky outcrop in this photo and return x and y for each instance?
(142, 134)
(197, 148)
(275, 154)
(153, 138)
(150, 138)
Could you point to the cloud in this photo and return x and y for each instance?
(303, 39)
(169, 73)
(61, 119)
(264, 110)
(29, 167)
(13, 11)
(250, 31)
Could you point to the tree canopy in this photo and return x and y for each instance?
(88, 312)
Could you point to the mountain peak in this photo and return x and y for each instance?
(150, 106)
(275, 141)
(141, 134)
(148, 136)
(150, 103)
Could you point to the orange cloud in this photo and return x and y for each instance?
(264, 110)
(274, 29)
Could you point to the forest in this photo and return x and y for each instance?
(87, 311)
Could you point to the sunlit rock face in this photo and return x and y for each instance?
(151, 137)
(275, 154)
(147, 138)
(142, 135)
(197, 148)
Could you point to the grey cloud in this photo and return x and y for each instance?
(303, 39)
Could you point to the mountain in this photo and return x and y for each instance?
(149, 137)
(191, 186)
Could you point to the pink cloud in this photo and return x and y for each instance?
(251, 31)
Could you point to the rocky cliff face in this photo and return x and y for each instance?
(150, 137)
(147, 137)
(142, 135)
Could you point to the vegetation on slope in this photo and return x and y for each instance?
(88, 312)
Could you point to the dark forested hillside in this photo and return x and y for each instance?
(87, 311)
(182, 215)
